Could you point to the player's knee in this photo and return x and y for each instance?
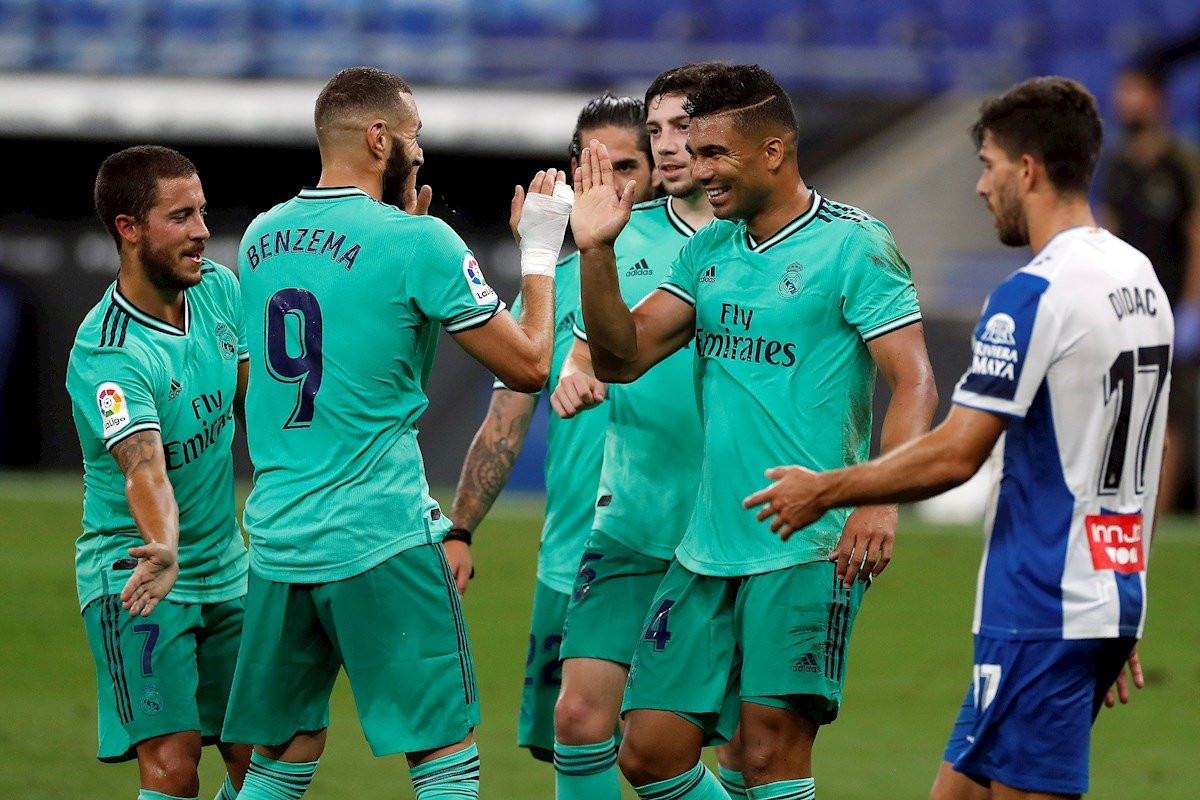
(644, 759)
(577, 720)
(172, 763)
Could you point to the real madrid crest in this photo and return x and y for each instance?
(227, 341)
(789, 284)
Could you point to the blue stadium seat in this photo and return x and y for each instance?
(665, 21)
(204, 37)
(1180, 15)
(1183, 93)
(766, 21)
(423, 40)
(523, 19)
(18, 34)
(96, 35)
(309, 38)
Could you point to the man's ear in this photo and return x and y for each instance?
(376, 136)
(775, 151)
(128, 228)
(1029, 172)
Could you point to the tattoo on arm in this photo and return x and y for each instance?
(139, 450)
(490, 460)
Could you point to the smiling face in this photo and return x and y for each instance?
(170, 239)
(730, 166)
(999, 188)
(668, 125)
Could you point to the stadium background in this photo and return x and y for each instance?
(885, 90)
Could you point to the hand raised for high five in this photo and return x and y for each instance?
(543, 183)
(416, 201)
(600, 213)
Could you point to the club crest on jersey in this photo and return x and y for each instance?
(999, 330)
(114, 411)
(226, 341)
(789, 284)
(484, 295)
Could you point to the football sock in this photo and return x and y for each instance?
(586, 771)
(452, 776)
(268, 779)
(733, 782)
(146, 794)
(227, 791)
(805, 789)
(695, 784)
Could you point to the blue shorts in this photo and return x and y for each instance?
(1027, 717)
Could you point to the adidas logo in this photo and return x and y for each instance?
(176, 388)
(640, 268)
(807, 664)
(709, 275)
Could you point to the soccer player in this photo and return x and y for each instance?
(642, 509)
(574, 446)
(791, 302)
(156, 374)
(1071, 365)
(344, 295)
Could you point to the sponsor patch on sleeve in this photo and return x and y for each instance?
(1003, 336)
(114, 410)
(484, 295)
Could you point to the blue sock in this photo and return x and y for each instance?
(146, 794)
(804, 789)
(586, 771)
(695, 784)
(268, 779)
(455, 775)
(227, 791)
(733, 782)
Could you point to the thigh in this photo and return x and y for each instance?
(613, 588)
(286, 666)
(686, 660)
(145, 673)
(793, 626)
(543, 673)
(217, 645)
(400, 629)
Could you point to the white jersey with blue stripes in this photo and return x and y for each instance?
(1075, 348)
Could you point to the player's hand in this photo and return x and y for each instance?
(600, 213)
(791, 500)
(416, 201)
(865, 548)
(458, 554)
(157, 569)
(1120, 689)
(542, 183)
(577, 392)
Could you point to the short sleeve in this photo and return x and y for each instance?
(681, 279)
(878, 295)
(1013, 346)
(119, 399)
(233, 296)
(447, 283)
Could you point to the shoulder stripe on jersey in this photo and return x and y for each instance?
(149, 425)
(104, 324)
(679, 292)
(676, 220)
(243, 356)
(474, 319)
(894, 325)
(330, 192)
(124, 327)
(154, 323)
(787, 230)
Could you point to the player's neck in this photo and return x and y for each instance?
(783, 207)
(164, 304)
(1054, 215)
(694, 208)
(337, 174)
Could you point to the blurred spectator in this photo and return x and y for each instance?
(1150, 199)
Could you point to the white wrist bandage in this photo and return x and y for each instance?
(543, 224)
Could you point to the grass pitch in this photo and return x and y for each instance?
(908, 668)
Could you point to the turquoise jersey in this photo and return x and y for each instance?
(344, 297)
(130, 372)
(783, 369)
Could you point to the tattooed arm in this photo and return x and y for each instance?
(152, 504)
(485, 471)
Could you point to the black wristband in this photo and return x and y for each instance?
(458, 535)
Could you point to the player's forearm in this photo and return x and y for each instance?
(491, 456)
(148, 492)
(612, 333)
(529, 367)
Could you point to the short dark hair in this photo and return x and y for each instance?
(681, 80)
(127, 182)
(611, 109)
(1053, 119)
(358, 89)
(746, 90)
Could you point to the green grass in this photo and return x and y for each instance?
(908, 669)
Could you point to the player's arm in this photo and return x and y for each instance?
(578, 389)
(152, 505)
(623, 343)
(239, 397)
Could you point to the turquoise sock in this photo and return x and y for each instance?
(455, 775)
(586, 771)
(146, 794)
(733, 782)
(227, 791)
(805, 789)
(268, 779)
(695, 784)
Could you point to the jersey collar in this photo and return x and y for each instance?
(330, 192)
(677, 221)
(787, 230)
(154, 323)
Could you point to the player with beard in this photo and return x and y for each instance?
(1068, 388)
(344, 295)
(156, 374)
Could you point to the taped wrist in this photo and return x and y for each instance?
(543, 224)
